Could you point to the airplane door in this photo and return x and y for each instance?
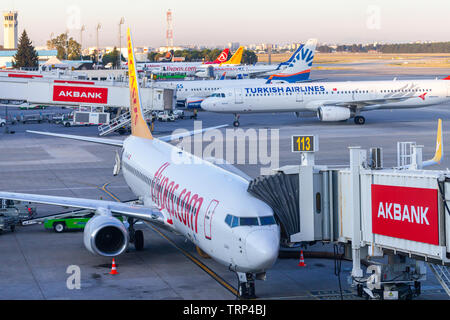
(208, 218)
(299, 96)
(239, 96)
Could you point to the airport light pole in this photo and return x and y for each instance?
(99, 25)
(122, 21)
(83, 28)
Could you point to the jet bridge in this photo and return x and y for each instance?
(373, 212)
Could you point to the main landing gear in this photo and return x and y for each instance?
(246, 285)
(236, 122)
(359, 120)
(136, 236)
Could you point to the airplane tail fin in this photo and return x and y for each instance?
(299, 66)
(439, 148)
(236, 58)
(448, 78)
(223, 57)
(139, 127)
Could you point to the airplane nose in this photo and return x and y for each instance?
(206, 105)
(262, 249)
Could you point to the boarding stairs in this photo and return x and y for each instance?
(442, 273)
(115, 124)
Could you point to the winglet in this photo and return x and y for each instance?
(236, 58)
(139, 127)
(439, 148)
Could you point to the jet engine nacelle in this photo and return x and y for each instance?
(194, 102)
(106, 236)
(328, 114)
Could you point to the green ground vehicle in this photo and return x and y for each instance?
(74, 222)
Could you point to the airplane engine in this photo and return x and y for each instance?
(328, 114)
(106, 236)
(194, 102)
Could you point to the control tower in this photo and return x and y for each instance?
(10, 24)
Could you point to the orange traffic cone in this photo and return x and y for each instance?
(114, 268)
(302, 260)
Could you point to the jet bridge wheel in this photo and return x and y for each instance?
(139, 240)
(360, 120)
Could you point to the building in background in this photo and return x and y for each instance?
(10, 25)
(233, 46)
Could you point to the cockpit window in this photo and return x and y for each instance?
(249, 222)
(267, 221)
(218, 95)
(228, 220)
(234, 222)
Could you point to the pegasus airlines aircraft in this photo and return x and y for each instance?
(189, 68)
(190, 94)
(304, 52)
(330, 101)
(206, 203)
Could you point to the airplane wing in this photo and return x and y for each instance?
(110, 142)
(133, 211)
(365, 103)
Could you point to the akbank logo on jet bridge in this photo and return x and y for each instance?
(80, 94)
(406, 213)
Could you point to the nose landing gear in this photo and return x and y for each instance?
(246, 286)
(236, 122)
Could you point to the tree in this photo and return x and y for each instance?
(26, 56)
(112, 57)
(249, 57)
(67, 47)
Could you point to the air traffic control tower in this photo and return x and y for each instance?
(11, 31)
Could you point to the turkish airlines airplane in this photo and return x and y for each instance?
(204, 202)
(190, 94)
(190, 68)
(238, 71)
(330, 101)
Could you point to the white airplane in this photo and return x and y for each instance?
(204, 202)
(330, 101)
(190, 68)
(246, 71)
(190, 94)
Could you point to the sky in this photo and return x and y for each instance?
(215, 22)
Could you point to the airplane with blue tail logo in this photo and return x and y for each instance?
(301, 59)
(190, 94)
